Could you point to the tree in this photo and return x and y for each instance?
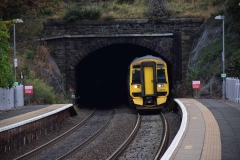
(233, 9)
(10, 9)
(6, 69)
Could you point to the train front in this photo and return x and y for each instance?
(148, 83)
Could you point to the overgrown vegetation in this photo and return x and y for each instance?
(43, 94)
(6, 71)
(109, 9)
(209, 64)
(86, 12)
(158, 10)
(194, 8)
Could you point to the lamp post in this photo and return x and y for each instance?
(15, 60)
(219, 17)
(14, 43)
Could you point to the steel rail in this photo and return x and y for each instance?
(127, 141)
(55, 140)
(71, 152)
(165, 139)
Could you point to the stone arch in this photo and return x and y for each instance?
(156, 44)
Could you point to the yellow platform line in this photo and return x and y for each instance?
(212, 142)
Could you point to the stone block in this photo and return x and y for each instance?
(185, 37)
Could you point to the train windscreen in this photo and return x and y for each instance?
(136, 76)
(161, 78)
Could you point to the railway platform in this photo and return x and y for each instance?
(210, 130)
(21, 126)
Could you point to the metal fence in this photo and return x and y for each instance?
(233, 89)
(7, 97)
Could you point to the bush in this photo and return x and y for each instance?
(62, 99)
(78, 13)
(42, 94)
(29, 54)
(158, 10)
(92, 13)
(234, 65)
(46, 11)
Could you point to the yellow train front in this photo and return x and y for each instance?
(148, 83)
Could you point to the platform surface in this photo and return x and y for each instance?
(28, 114)
(210, 130)
(201, 136)
(228, 117)
(21, 110)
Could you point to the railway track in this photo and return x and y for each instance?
(127, 150)
(86, 143)
(63, 146)
(112, 137)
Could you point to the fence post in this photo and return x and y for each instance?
(15, 97)
(237, 91)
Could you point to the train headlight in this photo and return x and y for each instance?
(136, 86)
(160, 85)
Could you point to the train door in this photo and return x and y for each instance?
(148, 78)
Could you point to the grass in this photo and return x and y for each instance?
(196, 9)
(111, 9)
(124, 11)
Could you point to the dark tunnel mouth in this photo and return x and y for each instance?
(101, 77)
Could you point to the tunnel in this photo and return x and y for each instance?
(102, 76)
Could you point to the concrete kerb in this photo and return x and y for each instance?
(176, 140)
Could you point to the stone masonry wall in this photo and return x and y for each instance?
(25, 134)
(70, 42)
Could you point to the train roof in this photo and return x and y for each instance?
(147, 57)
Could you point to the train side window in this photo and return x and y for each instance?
(136, 76)
(161, 78)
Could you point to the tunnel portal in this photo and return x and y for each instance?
(101, 77)
(82, 51)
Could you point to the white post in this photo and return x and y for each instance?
(223, 59)
(14, 48)
(15, 59)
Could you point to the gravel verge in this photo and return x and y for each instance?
(174, 122)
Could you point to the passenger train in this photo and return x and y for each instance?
(148, 83)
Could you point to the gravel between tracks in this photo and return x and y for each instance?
(113, 136)
(147, 141)
(117, 132)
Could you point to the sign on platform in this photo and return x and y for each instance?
(196, 84)
(15, 84)
(28, 90)
(223, 75)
